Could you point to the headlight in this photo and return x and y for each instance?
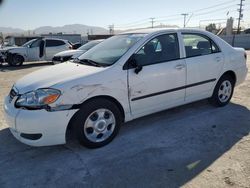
(38, 99)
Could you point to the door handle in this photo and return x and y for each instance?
(179, 67)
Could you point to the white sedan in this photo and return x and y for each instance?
(125, 77)
(72, 54)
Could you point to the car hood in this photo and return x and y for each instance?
(10, 48)
(50, 76)
(69, 53)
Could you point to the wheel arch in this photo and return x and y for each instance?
(231, 74)
(10, 55)
(78, 106)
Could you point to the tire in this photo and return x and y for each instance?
(97, 123)
(223, 91)
(16, 60)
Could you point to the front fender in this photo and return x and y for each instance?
(80, 93)
(21, 52)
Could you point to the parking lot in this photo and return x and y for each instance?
(195, 145)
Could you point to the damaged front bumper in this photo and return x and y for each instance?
(37, 127)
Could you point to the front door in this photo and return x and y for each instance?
(36, 51)
(160, 83)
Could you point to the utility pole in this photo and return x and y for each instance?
(111, 29)
(240, 15)
(152, 22)
(185, 16)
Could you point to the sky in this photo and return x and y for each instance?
(124, 14)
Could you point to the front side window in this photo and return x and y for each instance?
(198, 45)
(28, 44)
(111, 50)
(160, 49)
(36, 43)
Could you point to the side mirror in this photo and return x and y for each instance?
(138, 69)
(135, 65)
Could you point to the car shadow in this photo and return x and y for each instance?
(7, 68)
(167, 149)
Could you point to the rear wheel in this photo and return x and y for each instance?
(97, 123)
(223, 91)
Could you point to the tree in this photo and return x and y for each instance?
(211, 27)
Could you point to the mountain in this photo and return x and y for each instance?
(6, 30)
(70, 29)
(67, 29)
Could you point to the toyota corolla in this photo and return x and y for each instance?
(127, 76)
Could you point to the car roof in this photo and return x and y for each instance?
(160, 30)
(56, 39)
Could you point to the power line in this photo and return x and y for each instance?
(177, 16)
(131, 24)
(214, 6)
(216, 10)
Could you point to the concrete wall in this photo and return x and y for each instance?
(242, 40)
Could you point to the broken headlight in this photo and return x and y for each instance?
(38, 99)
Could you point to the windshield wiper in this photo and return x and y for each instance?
(88, 62)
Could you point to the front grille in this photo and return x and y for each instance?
(61, 59)
(66, 58)
(57, 58)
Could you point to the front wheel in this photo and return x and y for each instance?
(97, 123)
(223, 91)
(16, 60)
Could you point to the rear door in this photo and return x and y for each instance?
(204, 61)
(53, 47)
(160, 82)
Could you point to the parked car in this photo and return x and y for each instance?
(34, 50)
(127, 76)
(71, 54)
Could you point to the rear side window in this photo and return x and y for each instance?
(198, 45)
(161, 49)
(52, 43)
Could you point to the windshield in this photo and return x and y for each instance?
(89, 45)
(29, 43)
(112, 49)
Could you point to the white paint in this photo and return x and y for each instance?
(32, 53)
(79, 83)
